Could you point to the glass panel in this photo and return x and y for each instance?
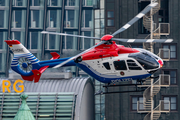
(172, 47)
(97, 23)
(85, 42)
(173, 55)
(98, 117)
(36, 2)
(97, 14)
(4, 19)
(71, 2)
(18, 35)
(97, 98)
(54, 18)
(134, 106)
(19, 19)
(36, 19)
(71, 18)
(173, 99)
(35, 39)
(110, 14)
(102, 98)
(173, 73)
(52, 41)
(19, 2)
(2, 61)
(166, 47)
(97, 33)
(173, 106)
(4, 2)
(110, 22)
(3, 36)
(97, 108)
(102, 23)
(120, 65)
(101, 4)
(102, 108)
(70, 42)
(54, 3)
(87, 18)
(102, 13)
(88, 2)
(134, 99)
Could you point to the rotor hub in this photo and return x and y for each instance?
(107, 37)
(24, 65)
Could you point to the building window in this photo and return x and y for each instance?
(87, 19)
(172, 48)
(4, 19)
(141, 28)
(70, 42)
(19, 2)
(86, 43)
(19, 19)
(173, 102)
(52, 42)
(110, 18)
(54, 3)
(36, 2)
(35, 39)
(173, 76)
(71, 2)
(134, 100)
(4, 2)
(3, 36)
(54, 18)
(163, 12)
(18, 35)
(87, 2)
(36, 19)
(71, 19)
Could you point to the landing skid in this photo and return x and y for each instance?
(107, 86)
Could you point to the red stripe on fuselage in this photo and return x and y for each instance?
(106, 50)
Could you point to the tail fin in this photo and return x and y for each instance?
(23, 61)
(20, 51)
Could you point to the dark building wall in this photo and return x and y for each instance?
(118, 106)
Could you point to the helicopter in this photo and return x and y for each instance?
(106, 61)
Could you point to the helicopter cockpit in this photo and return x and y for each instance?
(147, 61)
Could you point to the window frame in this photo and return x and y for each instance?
(170, 50)
(112, 18)
(162, 71)
(170, 101)
(131, 104)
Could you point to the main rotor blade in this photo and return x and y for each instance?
(143, 40)
(54, 33)
(136, 18)
(61, 64)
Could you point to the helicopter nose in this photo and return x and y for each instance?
(161, 63)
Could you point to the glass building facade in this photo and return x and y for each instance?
(24, 20)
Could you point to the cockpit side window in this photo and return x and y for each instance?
(107, 66)
(120, 65)
(132, 65)
(145, 60)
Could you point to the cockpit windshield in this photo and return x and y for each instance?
(145, 60)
